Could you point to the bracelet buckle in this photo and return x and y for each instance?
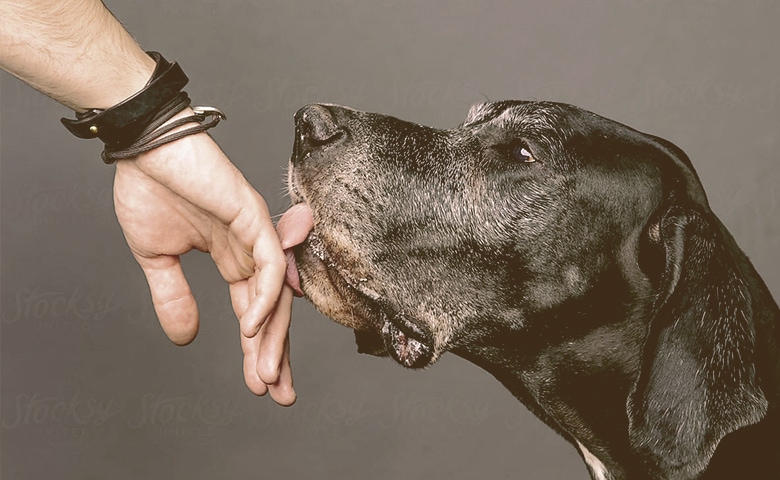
(203, 111)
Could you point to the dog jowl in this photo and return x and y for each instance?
(572, 257)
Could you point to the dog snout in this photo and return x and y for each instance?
(315, 127)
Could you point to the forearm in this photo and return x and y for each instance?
(74, 51)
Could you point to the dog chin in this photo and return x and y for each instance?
(378, 330)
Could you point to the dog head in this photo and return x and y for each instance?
(435, 235)
(535, 221)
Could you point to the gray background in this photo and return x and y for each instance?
(92, 389)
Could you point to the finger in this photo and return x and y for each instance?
(172, 298)
(241, 294)
(274, 337)
(250, 325)
(272, 265)
(282, 391)
(239, 297)
(251, 347)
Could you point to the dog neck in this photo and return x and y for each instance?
(578, 387)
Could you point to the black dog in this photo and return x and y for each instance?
(570, 256)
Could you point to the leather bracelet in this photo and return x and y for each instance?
(120, 125)
(160, 129)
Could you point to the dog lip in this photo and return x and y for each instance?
(409, 329)
(404, 342)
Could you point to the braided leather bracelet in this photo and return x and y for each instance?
(133, 126)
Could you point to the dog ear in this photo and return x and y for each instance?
(697, 379)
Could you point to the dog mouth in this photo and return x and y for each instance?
(385, 331)
(404, 341)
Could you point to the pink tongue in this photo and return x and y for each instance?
(293, 228)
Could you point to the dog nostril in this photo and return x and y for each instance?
(316, 126)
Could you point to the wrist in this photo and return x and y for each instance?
(147, 119)
(121, 123)
(111, 89)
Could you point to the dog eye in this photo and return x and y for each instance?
(520, 152)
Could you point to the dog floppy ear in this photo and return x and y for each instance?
(697, 379)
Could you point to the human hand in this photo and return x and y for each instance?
(187, 195)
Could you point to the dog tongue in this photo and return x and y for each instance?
(293, 228)
(295, 225)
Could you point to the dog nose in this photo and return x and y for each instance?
(315, 126)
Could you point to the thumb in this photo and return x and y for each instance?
(171, 296)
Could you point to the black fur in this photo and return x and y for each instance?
(591, 278)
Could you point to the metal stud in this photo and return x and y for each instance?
(93, 129)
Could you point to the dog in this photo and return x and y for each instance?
(572, 257)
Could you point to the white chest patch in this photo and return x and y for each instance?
(598, 469)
